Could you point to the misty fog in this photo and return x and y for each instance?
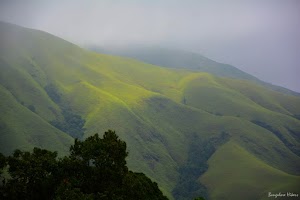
(258, 37)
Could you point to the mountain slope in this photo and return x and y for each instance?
(174, 121)
(22, 128)
(245, 166)
(180, 59)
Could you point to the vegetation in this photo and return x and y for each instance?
(53, 93)
(2, 162)
(292, 147)
(161, 108)
(199, 198)
(32, 108)
(188, 186)
(180, 59)
(246, 171)
(72, 124)
(95, 169)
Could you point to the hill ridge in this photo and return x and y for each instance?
(159, 112)
(182, 59)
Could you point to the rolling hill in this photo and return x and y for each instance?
(180, 59)
(194, 133)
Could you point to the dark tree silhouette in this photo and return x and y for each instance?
(95, 169)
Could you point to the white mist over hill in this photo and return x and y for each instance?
(259, 37)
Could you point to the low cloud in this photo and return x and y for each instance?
(259, 37)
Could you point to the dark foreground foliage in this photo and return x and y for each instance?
(95, 169)
(188, 186)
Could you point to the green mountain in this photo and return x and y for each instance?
(180, 59)
(193, 133)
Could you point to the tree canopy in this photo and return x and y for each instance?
(95, 169)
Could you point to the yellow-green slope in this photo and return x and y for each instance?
(161, 113)
(242, 176)
(23, 129)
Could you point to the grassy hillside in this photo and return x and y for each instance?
(175, 59)
(22, 128)
(253, 177)
(180, 59)
(175, 122)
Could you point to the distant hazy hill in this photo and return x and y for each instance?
(179, 59)
(194, 133)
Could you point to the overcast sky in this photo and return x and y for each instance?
(260, 37)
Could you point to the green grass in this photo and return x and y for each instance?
(145, 105)
(23, 129)
(271, 100)
(180, 59)
(234, 173)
